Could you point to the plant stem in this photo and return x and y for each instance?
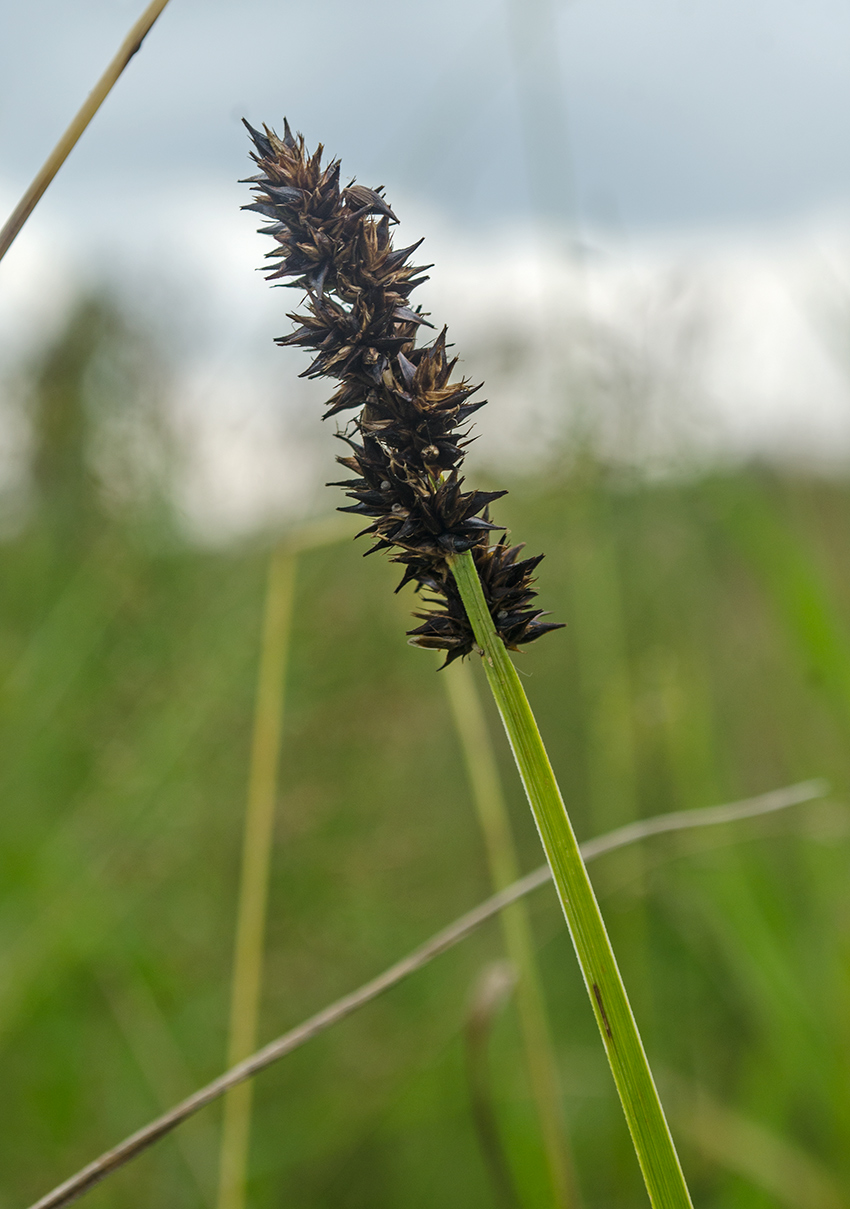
(493, 817)
(256, 861)
(492, 989)
(653, 1143)
(81, 119)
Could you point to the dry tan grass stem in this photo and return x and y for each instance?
(87, 110)
(248, 958)
(491, 808)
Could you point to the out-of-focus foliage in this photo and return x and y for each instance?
(707, 657)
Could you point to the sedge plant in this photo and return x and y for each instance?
(405, 447)
(538, 1049)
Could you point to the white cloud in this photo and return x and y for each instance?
(708, 345)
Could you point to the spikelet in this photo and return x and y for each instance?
(407, 441)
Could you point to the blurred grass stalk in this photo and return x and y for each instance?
(788, 1174)
(492, 812)
(653, 1142)
(712, 816)
(131, 44)
(492, 990)
(256, 863)
(161, 1062)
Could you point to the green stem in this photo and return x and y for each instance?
(492, 810)
(653, 1143)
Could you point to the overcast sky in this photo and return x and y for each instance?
(640, 113)
(723, 124)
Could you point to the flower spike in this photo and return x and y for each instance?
(407, 442)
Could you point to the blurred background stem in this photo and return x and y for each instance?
(491, 808)
(256, 862)
(81, 119)
(492, 988)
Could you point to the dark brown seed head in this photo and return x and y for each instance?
(407, 441)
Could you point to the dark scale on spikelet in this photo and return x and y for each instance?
(408, 439)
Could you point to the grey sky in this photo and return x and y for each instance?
(680, 112)
(673, 123)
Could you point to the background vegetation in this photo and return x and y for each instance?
(706, 658)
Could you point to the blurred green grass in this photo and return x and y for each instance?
(706, 658)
